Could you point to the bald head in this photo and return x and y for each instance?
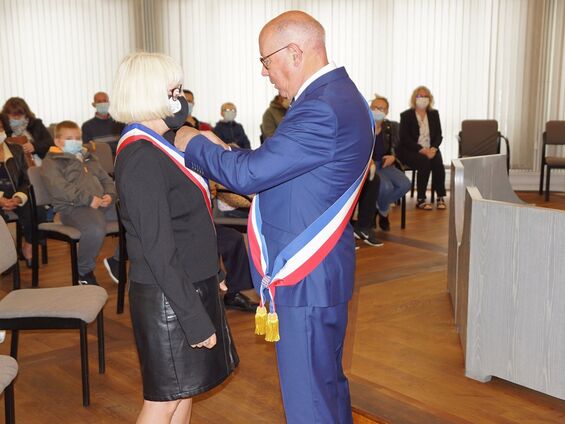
(297, 27)
(292, 47)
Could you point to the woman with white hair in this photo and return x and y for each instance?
(179, 324)
(420, 138)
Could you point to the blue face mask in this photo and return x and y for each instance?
(102, 108)
(378, 115)
(18, 125)
(72, 146)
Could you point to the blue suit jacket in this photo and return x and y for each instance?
(319, 149)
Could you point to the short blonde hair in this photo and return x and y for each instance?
(415, 93)
(140, 91)
(65, 125)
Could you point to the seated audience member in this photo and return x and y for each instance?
(191, 120)
(367, 208)
(420, 138)
(393, 183)
(230, 131)
(84, 195)
(14, 186)
(102, 128)
(232, 250)
(22, 127)
(273, 116)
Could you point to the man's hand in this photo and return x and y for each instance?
(431, 153)
(183, 137)
(96, 202)
(388, 160)
(209, 343)
(106, 201)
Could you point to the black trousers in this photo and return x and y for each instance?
(231, 248)
(368, 203)
(424, 166)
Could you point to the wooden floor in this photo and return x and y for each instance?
(404, 358)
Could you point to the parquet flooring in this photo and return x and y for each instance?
(403, 358)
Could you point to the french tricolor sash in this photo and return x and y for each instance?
(301, 256)
(135, 132)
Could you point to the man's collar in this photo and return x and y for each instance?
(322, 71)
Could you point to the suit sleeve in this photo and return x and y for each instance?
(304, 141)
(144, 193)
(437, 136)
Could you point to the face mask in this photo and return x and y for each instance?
(102, 108)
(378, 115)
(190, 108)
(72, 146)
(179, 109)
(2, 137)
(229, 115)
(422, 102)
(18, 125)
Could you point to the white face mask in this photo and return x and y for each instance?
(2, 137)
(422, 102)
(229, 115)
(174, 105)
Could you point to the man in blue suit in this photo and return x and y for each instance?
(318, 151)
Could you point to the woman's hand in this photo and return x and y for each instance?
(9, 204)
(28, 147)
(388, 160)
(209, 343)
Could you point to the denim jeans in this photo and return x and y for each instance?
(394, 185)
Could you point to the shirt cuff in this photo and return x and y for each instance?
(21, 196)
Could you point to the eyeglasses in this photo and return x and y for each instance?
(266, 62)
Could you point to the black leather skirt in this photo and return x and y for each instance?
(170, 368)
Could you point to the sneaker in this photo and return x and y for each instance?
(384, 223)
(87, 279)
(368, 236)
(113, 267)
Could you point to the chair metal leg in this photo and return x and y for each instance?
(9, 408)
(547, 178)
(413, 184)
(74, 262)
(14, 344)
(101, 354)
(84, 364)
(44, 255)
(16, 276)
(541, 179)
(19, 237)
(403, 213)
(35, 260)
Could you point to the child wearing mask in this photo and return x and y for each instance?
(84, 195)
(229, 131)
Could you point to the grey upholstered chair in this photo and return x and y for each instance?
(103, 152)
(8, 372)
(554, 135)
(51, 308)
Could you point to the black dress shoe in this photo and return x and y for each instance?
(384, 223)
(240, 302)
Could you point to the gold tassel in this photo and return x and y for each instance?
(272, 334)
(260, 320)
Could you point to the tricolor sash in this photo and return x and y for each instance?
(301, 256)
(135, 132)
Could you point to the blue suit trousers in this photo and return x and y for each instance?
(314, 387)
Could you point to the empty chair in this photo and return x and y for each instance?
(103, 152)
(480, 137)
(52, 308)
(8, 371)
(554, 135)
